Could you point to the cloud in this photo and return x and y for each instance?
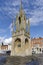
(10, 8)
(37, 13)
(39, 2)
(8, 41)
(2, 38)
(32, 8)
(33, 11)
(5, 40)
(36, 18)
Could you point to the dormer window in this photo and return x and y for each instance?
(19, 20)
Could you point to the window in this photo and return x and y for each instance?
(40, 49)
(37, 49)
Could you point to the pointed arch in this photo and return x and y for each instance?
(18, 39)
(18, 42)
(26, 40)
(19, 20)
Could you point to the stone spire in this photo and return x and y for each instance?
(28, 26)
(20, 19)
(21, 9)
(21, 5)
(21, 43)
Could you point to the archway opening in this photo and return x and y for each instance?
(18, 42)
(26, 40)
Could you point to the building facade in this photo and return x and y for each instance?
(37, 45)
(21, 42)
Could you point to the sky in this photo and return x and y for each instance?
(10, 8)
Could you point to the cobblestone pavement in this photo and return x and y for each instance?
(30, 60)
(40, 58)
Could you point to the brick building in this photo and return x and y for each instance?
(4, 47)
(37, 45)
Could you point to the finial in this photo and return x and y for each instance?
(21, 4)
(28, 26)
(21, 10)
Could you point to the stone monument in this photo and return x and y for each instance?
(21, 42)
